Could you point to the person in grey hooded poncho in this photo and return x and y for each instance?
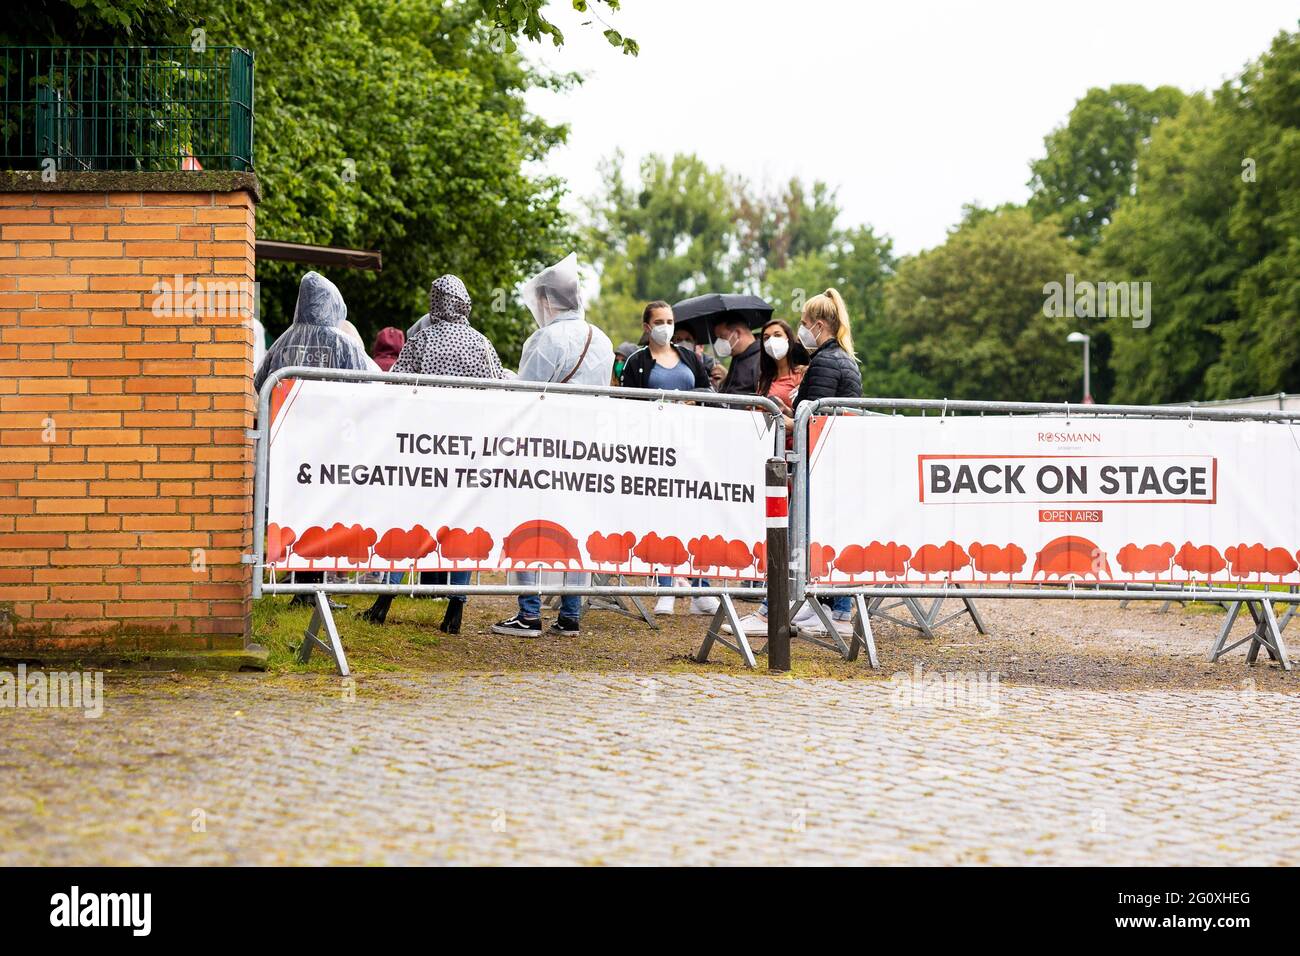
(315, 338)
(446, 344)
(443, 343)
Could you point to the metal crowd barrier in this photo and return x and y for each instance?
(867, 598)
(322, 617)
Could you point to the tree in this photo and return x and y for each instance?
(526, 17)
(1212, 226)
(1091, 160)
(772, 229)
(666, 236)
(404, 131)
(969, 314)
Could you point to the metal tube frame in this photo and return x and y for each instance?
(1121, 591)
(261, 477)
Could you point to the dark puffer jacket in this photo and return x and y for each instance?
(832, 373)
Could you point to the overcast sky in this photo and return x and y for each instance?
(911, 108)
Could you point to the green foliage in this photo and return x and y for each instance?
(1221, 251)
(666, 236)
(969, 314)
(403, 131)
(98, 22)
(1091, 160)
(515, 17)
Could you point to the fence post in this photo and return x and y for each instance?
(778, 567)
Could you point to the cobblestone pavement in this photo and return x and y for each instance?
(586, 768)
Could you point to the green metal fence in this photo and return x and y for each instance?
(126, 108)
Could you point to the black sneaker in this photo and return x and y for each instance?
(520, 627)
(564, 627)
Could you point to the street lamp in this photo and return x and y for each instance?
(1074, 338)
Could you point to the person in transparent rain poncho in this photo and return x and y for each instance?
(565, 348)
(315, 338)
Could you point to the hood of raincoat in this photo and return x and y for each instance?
(555, 293)
(448, 300)
(315, 338)
(319, 302)
(388, 345)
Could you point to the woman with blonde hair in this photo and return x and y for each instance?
(832, 366)
(832, 373)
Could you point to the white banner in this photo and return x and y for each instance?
(371, 476)
(996, 499)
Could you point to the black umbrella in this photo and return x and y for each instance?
(700, 312)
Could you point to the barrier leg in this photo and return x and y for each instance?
(1216, 648)
(974, 614)
(1274, 630)
(726, 612)
(862, 635)
(614, 602)
(824, 615)
(322, 616)
(922, 619)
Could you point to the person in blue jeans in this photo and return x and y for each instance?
(665, 366)
(565, 348)
(443, 343)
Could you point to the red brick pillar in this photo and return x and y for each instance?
(125, 391)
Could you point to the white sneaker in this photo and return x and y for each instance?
(751, 624)
(705, 605)
(843, 628)
(806, 616)
(664, 605)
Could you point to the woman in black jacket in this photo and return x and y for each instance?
(664, 367)
(661, 364)
(832, 372)
(833, 367)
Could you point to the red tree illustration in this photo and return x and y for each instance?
(279, 541)
(820, 557)
(991, 559)
(1199, 560)
(707, 552)
(1071, 556)
(666, 553)
(611, 548)
(399, 545)
(352, 542)
(760, 556)
(887, 559)
(1259, 560)
(457, 544)
(737, 556)
(939, 559)
(1151, 559)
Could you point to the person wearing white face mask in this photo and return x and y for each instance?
(832, 372)
(782, 364)
(661, 364)
(733, 339)
(665, 366)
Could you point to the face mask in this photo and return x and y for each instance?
(776, 347)
(618, 369)
(722, 348)
(807, 338)
(660, 334)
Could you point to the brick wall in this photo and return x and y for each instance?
(125, 473)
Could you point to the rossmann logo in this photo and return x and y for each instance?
(102, 909)
(1068, 437)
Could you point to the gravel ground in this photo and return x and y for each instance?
(1085, 644)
